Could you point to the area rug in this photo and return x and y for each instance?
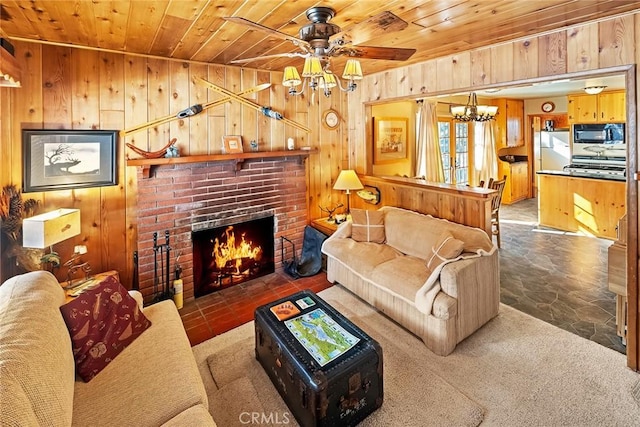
(516, 371)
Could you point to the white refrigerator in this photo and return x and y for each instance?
(554, 151)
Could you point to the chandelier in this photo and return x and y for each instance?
(472, 111)
(316, 76)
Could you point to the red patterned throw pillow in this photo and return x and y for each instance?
(102, 322)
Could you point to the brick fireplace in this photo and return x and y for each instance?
(190, 197)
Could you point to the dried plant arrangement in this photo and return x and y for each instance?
(12, 211)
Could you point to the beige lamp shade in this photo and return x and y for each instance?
(312, 67)
(329, 80)
(291, 77)
(348, 180)
(47, 229)
(352, 70)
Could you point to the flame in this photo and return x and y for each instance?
(229, 250)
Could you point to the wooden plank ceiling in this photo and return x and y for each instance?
(195, 29)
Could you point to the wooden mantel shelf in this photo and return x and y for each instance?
(238, 158)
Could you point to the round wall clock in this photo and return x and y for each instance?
(548, 106)
(331, 119)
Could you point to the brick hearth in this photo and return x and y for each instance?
(186, 197)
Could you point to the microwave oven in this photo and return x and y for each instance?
(602, 142)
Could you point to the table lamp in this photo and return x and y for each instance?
(47, 229)
(348, 180)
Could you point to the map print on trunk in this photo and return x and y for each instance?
(321, 336)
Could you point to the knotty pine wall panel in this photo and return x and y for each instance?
(65, 88)
(582, 48)
(501, 63)
(198, 125)
(525, 59)
(617, 41)
(552, 53)
(480, 67)
(179, 99)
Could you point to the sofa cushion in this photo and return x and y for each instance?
(361, 257)
(36, 362)
(402, 275)
(415, 234)
(156, 375)
(195, 416)
(447, 247)
(367, 226)
(102, 322)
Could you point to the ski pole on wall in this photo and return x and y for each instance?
(264, 110)
(191, 111)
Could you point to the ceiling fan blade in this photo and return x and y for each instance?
(296, 41)
(377, 52)
(263, 57)
(376, 26)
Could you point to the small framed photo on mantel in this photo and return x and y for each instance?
(232, 144)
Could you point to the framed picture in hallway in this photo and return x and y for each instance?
(389, 139)
(66, 159)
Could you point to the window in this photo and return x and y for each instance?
(454, 146)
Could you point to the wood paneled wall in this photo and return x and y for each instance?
(67, 88)
(604, 44)
(589, 47)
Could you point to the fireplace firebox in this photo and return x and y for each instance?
(232, 254)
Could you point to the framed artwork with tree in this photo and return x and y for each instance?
(65, 159)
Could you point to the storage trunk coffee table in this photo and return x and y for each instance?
(327, 370)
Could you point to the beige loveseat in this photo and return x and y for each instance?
(153, 382)
(444, 304)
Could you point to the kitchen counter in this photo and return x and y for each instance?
(583, 175)
(580, 204)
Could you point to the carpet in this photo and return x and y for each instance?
(514, 371)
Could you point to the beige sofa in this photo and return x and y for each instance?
(443, 305)
(153, 382)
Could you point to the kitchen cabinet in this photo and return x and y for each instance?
(509, 122)
(517, 185)
(605, 107)
(589, 205)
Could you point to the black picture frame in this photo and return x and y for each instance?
(58, 159)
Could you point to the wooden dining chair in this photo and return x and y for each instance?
(497, 185)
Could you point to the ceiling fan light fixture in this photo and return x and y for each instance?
(291, 78)
(594, 90)
(352, 70)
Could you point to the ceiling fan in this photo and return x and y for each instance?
(324, 40)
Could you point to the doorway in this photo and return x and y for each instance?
(455, 142)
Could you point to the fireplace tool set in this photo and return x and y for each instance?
(161, 278)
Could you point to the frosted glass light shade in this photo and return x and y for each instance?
(291, 78)
(47, 229)
(594, 90)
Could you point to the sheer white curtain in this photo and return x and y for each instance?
(485, 159)
(428, 157)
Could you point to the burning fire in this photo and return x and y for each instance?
(230, 253)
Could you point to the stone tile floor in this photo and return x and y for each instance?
(558, 277)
